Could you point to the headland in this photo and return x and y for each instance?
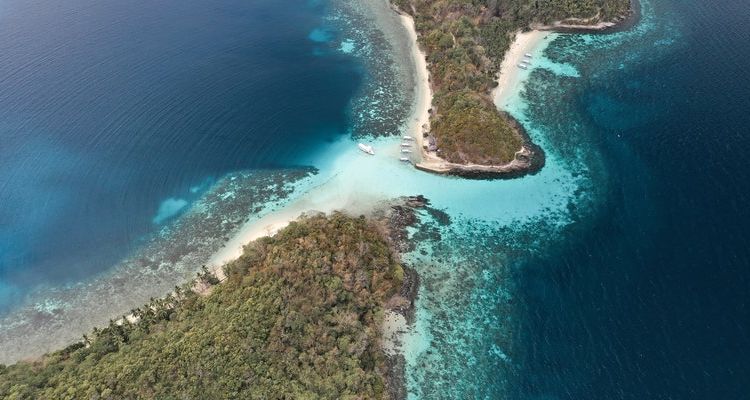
(468, 59)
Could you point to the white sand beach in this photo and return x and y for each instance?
(510, 80)
(419, 121)
(333, 194)
(341, 191)
(511, 76)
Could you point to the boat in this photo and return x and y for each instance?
(405, 144)
(366, 148)
(404, 159)
(405, 151)
(407, 137)
(522, 66)
(527, 55)
(527, 62)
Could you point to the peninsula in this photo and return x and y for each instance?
(465, 43)
(304, 314)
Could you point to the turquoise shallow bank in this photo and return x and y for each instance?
(619, 271)
(648, 297)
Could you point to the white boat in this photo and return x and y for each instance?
(404, 159)
(528, 55)
(522, 66)
(366, 148)
(405, 144)
(407, 137)
(526, 62)
(405, 151)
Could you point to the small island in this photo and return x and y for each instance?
(465, 43)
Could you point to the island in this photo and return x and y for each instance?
(308, 312)
(465, 43)
(298, 315)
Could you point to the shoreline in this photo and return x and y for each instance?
(529, 158)
(420, 118)
(510, 76)
(622, 22)
(343, 198)
(52, 317)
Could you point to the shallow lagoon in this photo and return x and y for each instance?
(518, 276)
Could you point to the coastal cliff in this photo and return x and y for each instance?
(464, 44)
(299, 315)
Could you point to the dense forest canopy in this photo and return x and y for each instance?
(298, 317)
(465, 41)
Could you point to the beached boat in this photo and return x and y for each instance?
(366, 148)
(405, 151)
(407, 137)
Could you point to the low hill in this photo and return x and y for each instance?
(298, 317)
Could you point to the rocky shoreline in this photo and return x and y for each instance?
(395, 218)
(396, 364)
(620, 23)
(530, 159)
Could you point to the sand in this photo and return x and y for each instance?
(334, 194)
(341, 190)
(393, 329)
(338, 192)
(511, 77)
(419, 121)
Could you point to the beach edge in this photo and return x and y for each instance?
(528, 160)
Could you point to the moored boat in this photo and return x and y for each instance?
(407, 137)
(405, 151)
(366, 148)
(405, 159)
(405, 144)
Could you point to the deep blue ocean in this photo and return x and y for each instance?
(115, 116)
(651, 298)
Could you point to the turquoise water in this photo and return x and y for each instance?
(638, 287)
(586, 280)
(117, 120)
(115, 117)
(119, 148)
(647, 297)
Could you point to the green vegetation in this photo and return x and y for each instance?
(297, 317)
(465, 41)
